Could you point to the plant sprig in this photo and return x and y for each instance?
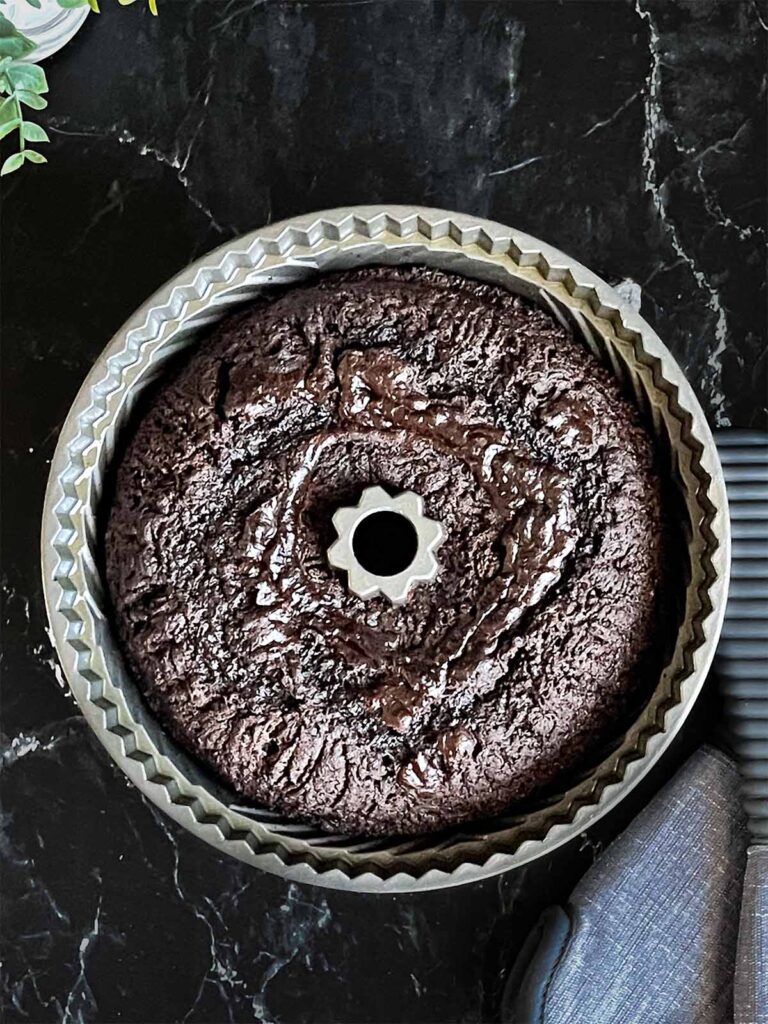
(94, 4)
(22, 84)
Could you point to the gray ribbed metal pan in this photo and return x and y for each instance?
(742, 663)
(742, 668)
(171, 320)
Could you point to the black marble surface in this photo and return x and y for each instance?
(630, 135)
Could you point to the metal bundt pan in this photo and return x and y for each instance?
(171, 320)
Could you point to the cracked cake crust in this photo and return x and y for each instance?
(492, 681)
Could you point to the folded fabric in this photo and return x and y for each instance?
(751, 983)
(650, 933)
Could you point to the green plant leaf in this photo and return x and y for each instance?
(34, 3)
(13, 163)
(33, 157)
(8, 110)
(31, 99)
(6, 129)
(34, 133)
(27, 76)
(72, 3)
(15, 46)
(12, 42)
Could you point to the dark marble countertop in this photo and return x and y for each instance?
(632, 136)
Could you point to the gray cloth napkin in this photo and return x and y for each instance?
(751, 983)
(650, 933)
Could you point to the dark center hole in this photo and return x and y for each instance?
(385, 543)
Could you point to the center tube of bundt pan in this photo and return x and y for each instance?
(385, 544)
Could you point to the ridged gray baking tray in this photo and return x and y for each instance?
(742, 664)
(742, 669)
(292, 251)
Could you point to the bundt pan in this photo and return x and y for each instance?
(173, 319)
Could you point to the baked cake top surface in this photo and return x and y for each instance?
(493, 679)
